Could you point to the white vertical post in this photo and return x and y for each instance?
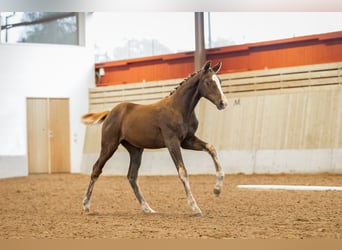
(81, 26)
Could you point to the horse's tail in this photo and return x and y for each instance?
(94, 118)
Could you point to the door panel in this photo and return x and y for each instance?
(37, 132)
(59, 135)
(48, 135)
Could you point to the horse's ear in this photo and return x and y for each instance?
(206, 66)
(217, 67)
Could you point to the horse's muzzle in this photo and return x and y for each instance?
(223, 103)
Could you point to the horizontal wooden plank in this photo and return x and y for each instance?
(266, 92)
(96, 107)
(129, 98)
(131, 86)
(133, 92)
(283, 77)
(282, 84)
(278, 71)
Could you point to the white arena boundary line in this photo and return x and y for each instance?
(290, 187)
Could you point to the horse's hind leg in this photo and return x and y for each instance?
(107, 151)
(132, 176)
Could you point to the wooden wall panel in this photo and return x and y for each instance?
(308, 119)
(92, 139)
(295, 120)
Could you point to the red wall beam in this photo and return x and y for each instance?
(305, 50)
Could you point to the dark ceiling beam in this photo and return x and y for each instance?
(39, 21)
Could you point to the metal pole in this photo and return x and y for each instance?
(200, 56)
(209, 30)
(8, 26)
(6, 35)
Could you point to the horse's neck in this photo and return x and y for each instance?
(186, 97)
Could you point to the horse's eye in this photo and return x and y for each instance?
(208, 83)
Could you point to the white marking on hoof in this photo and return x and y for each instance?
(146, 208)
(86, 205)
(198, 214)
(217, 191)
(219, 183)
(195, 208)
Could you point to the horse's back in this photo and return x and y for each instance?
(137, 124)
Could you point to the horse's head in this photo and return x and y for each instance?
(210, 85)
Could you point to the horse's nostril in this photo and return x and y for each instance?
(223, 104)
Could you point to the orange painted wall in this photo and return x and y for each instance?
(147, 69)
(305, 50)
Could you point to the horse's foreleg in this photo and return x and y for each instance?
(194, 143)
(106, 153)
(219, 172)
(175, 152)
(132, 176)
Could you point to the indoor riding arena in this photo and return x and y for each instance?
(269, 117)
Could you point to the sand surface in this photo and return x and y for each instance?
(50, 207)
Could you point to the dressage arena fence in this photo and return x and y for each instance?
(278, 120)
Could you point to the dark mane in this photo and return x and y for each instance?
(181, 83)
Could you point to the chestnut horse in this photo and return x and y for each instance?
(170, 122)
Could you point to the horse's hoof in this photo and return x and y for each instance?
(86, 207)
(86, 204)
(217, 191)
(149, 211)
(199, 214)
(146, 209)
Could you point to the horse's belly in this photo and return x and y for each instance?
(146, 142)
(143, 137)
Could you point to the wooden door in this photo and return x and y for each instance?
(37, 134)
(59, 135)
(48, 135)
